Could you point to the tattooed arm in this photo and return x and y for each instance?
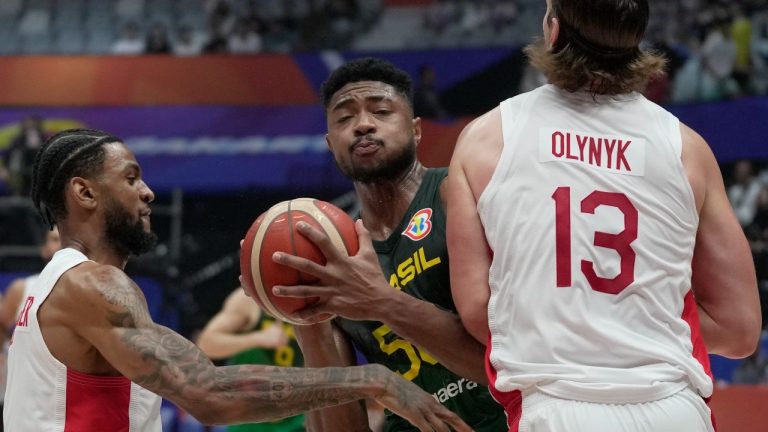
(325, 345)
(107, 309)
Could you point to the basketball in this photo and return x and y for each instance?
(275, 231)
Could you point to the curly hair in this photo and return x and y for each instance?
(598, 47)
(367, 69)
(70, 153)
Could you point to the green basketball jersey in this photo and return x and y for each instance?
(415, 259)
(288, 356)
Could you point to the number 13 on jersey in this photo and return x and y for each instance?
(621, 242)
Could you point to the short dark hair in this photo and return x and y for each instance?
(70, 153)
(367, 69)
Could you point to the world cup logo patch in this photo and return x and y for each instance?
(420, 225)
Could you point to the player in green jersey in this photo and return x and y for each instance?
(394, 297)
(243, 334)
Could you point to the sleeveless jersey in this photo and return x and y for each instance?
(28, 282)
(286, 356)
(592, 223)
(42, 394)
(415, 258)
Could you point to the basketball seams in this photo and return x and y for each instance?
(309, 206)
(268, 233)
(258, 281)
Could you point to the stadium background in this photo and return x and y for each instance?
(225, 131)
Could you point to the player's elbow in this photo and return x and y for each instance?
(742, 335)
(745, 337)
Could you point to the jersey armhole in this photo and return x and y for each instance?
(510, 111)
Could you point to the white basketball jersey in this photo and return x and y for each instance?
(592, 223)
(42, 394)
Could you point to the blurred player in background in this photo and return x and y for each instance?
(86, 354)
(15, 293)
(11, 303)
(615, 258)
(243, 334)
(394, 296)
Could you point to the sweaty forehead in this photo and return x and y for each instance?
(362, 90)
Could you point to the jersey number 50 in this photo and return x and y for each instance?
(621, 242)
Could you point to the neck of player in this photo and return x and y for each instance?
(383, 203)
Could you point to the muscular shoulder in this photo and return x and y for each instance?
(483, 130)
(92, 286)
(478, 150)
(699, 163)
(93, 278)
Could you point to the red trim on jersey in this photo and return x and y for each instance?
(511, 401)
(691, 316)
(97, 403)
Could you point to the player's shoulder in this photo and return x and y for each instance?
(91, 277)
(695, 148)
(238, 302)
(485, 126)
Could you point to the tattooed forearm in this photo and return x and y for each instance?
(175, 368)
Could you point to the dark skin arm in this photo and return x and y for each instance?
(106, 308)
(355, 288)
(325, 345)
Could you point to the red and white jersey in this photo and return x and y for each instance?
(592, 223)
(42, 394)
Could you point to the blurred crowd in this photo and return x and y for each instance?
(293, 25)
(718, 49)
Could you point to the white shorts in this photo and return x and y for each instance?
(684, 411)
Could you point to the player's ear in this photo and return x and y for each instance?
(83, 192)
(554, 31)
(417, 130)
(328, 143)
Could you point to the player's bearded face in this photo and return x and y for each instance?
(380, 169)
(126, 232)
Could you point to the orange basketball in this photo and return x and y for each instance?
(275, 230)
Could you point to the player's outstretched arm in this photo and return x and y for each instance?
(724, 280)
(324, 345)
(231, 331)
(355, 288)
(109, 310)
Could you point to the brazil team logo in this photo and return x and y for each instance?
(420, 225)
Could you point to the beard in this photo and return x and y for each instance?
(124, 235)
(381, 170)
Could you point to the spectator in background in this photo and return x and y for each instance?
(744, 191)
(157, 40)
(129, 42)
(342, 15)
(245, 39)
(217, 42)
(20, 157)
(187, 43)
(440, 15)
(426, 97)
(741, 32)
(718, 58)
(760, 58)
(221, 20)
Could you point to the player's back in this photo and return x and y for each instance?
(592, 223)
